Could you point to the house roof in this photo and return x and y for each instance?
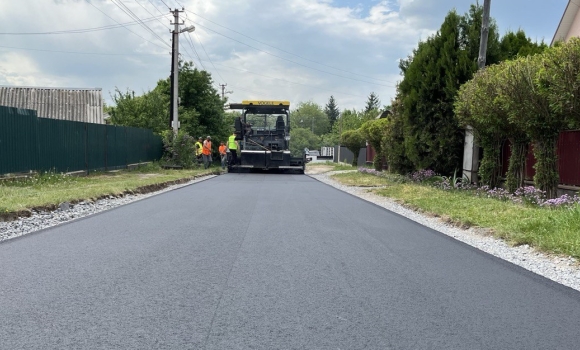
(566, 22)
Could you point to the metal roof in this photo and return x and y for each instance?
(76, 104)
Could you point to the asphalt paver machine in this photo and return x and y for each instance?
(263, 132)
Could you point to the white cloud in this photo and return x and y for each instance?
(21, 70)
(328, 47)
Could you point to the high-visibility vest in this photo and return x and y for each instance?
(232, 142)
(206, 147)
(198, 148)
(222, 149)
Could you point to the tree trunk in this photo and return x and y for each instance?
(547, 176)
(517, 165)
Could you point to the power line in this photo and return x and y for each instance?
(81, 31)
(165, 4)
(144, 8)
(210, 61)
(190, 41)
(131, 14)
(152, 4)
(84, 53)
(288, 60)
(285, 51)
(286, 80)
(149, 41)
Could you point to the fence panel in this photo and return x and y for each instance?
(62, 145)
(116, 147)
(18, 140)
(31, 143)
(140, 145)
(97, 147)
(569, 157)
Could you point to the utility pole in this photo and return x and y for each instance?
(471, 149)
(224, 92)
(173, 117)
(339, 139)
(484, 34)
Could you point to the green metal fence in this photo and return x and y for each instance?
(41, 144)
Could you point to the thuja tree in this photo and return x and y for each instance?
(354, 141)
(431, 79)
(528, 107)
(393, 141)
(374, 132)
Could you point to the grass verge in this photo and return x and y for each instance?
(330, 165)
(550, 230)
(48, 190)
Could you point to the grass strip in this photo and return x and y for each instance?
(48, 190)
(550, 230)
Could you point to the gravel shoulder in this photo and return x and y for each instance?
(564, 270)
(41, 219)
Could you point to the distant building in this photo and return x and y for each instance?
(82, 105)
(569, 24)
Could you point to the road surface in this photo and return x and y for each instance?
(269, 261)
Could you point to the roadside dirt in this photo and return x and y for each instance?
(319, 169)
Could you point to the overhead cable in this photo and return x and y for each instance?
(288, 60)
(285, 51)
(149, 41)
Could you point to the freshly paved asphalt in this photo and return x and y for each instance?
(269, 261)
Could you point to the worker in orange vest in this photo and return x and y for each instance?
(223, 154)
(206, 152)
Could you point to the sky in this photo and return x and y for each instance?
(296, 50)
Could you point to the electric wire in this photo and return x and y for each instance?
(131, 14)
(82, 31)
(149, 41)
(83, 53)
(285, 51)
(209, 58)
(158, 10)
(190, 41)
(164, 3)
(288, 60)
(286, 80)
(165, 25)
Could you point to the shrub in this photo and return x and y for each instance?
(178, 149)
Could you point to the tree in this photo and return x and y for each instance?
(560, 81)
(201, 110)
(517, 44)
(393, 144)
(373, 103)
(303, 138)
(431, 79)
(310, 115)
(478, 105)
(354, 141)
(331, 110)
(149, 111)
(374, 132)
(528, 106)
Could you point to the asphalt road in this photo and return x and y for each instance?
(269, 261)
